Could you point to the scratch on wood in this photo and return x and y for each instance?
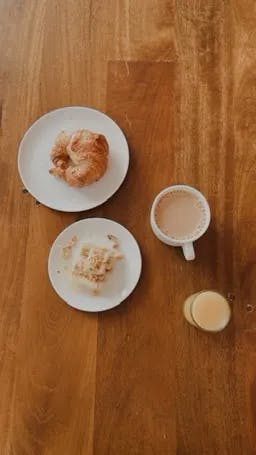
(1, 114)
(128, 120)
(251, 330)
(127, 68)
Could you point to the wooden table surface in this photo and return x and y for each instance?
(179, 77)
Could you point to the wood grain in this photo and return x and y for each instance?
(179, 78)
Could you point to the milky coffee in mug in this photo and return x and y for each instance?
(180, 214)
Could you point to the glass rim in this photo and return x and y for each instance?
(193, 318)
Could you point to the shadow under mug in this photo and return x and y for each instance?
(186, 245)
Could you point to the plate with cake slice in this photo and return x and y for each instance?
(94, 264)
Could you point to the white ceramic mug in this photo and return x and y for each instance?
(187, 245)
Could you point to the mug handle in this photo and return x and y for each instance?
(188, 251)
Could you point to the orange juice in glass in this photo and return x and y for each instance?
(207, 310)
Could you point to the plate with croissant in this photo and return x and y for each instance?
(73, 159)
(94, 264)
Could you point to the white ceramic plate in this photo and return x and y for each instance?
(34, 159)
(120, 282)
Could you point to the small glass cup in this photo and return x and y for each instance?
(207, 310)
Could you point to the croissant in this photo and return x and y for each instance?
(80, 158)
